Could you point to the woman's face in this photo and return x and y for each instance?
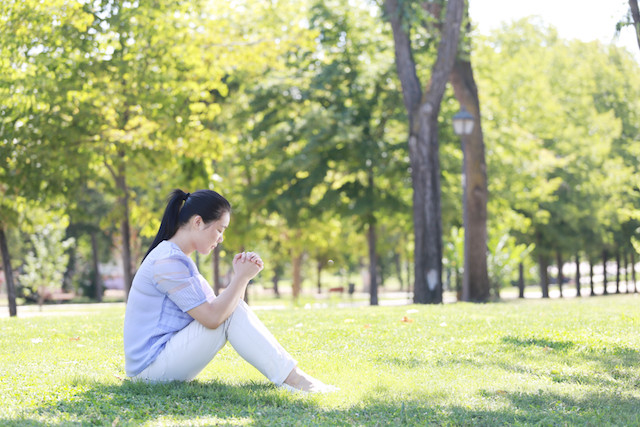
(211, 234)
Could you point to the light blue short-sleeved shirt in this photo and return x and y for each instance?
(166, 286)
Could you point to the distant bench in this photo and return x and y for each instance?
(340, 289)
(55, 296)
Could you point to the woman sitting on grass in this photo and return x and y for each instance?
(174, 324)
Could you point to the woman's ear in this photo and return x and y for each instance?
(197, 221)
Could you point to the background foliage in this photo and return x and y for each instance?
(292, 110)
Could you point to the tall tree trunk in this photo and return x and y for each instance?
(625, 262)
(544, 276)
(423, 110)
(382, 272)
(633, 272)
(560, 277)
(373, 270)
(617, 271)
(67, 278)
(605, 255)
(475, 282)
(578, 290)
(297, 274)
(97, 278)
(593, 292)
(215, 259)
(520, 280)
(275, 279)
(319, 278)
(125, 228)
(635, 15)
(8, 273)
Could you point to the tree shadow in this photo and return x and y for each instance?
(411, 363)
(539, 342)
(262, 404)
(617, 363)
(137, 403)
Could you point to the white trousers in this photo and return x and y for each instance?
(188, 352)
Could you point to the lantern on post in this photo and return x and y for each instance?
(463, 123)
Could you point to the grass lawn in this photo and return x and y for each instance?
(554, 362)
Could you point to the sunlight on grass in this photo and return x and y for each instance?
(522, 362)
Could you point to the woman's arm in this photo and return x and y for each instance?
(213, 314)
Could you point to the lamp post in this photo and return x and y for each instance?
(463, 123)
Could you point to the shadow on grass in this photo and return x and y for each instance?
(618, 364)
(137, 403)
(612, 356)
(538, 342)
(262, 404)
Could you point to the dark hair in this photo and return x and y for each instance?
(182, 206)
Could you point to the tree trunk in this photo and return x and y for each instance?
(8, 273)
(560, 278)
(373, 270)
(625, 262)
(633, 271)
(67, 278)
(125, 228)
(319, 271)
(275, 280)
(97, 278)
(382, 273)
(215, 259)
(593, 292)
(297, 274)
(520, 280)
(475, 282)
(544, 276)
(617, 271)
(578, 291)
(635, 15)
(605, 255)
(423, 110)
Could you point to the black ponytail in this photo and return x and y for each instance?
(182, 206)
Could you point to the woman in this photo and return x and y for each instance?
(174, 324)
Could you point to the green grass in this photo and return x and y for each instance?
(554, 362)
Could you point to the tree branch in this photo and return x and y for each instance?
(405, 64)
(635, 14)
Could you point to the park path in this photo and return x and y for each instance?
(386, 299)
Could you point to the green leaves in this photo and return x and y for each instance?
(554, 130)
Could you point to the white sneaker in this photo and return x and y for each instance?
(319, 389)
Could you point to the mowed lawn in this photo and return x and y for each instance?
(553, 362)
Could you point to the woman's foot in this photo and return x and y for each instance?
(299, 381)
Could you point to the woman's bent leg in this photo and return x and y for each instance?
(186, 354)
(255, 344)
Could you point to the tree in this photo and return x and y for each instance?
(423, 110)
(475, 278)
(563, 132)
(634, 13)
(333, 149)
(45, 264)
(38, 165)
(8, 272)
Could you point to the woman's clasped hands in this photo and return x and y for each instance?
(247, 264)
